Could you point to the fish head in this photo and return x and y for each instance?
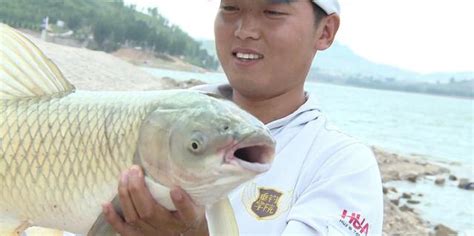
(206, 145)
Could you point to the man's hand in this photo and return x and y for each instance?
(144, 216)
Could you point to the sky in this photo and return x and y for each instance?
(424, 36)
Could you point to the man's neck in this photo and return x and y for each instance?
(271, 109)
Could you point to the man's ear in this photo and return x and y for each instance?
(326, 31)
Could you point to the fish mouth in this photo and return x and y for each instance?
(254, 153)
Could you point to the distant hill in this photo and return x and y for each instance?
(209, 46)
(340, 65)
(341, 60)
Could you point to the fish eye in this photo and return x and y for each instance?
(197, 143)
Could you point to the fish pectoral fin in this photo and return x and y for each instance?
(160, 193)
(221, 220)
(39, 231)
(25, 70)
(101, 227)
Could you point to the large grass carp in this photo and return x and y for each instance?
(61, 150)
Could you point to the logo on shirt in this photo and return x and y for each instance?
(265, 203)
(354, 223)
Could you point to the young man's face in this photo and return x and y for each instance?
(265, 47)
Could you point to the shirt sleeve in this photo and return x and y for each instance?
(343, 197)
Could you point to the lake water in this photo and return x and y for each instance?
(438, 128)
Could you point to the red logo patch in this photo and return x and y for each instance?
(354, 223)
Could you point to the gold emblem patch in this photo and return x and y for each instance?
(265, 203)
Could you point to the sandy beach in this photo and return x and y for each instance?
(93, 70)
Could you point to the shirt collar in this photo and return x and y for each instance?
(307, 112)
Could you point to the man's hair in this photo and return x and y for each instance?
(319, 14)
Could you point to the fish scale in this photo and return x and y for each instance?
(76, 146)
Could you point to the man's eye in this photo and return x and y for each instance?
(229, 8)
(274, 13)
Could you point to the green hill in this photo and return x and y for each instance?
(111, 25)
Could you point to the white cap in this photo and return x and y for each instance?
(329, 6)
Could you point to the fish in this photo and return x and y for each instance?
(62, 149)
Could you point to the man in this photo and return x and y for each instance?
(322, 181)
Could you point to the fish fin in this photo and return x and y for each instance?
(101, 227)
(11, 226)
(250, 192)
(25, 71)
(160, 193)
(9, 230)
(221, 219)
(38, 231)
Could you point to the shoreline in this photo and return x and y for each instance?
(400, 91)
(141, 58)
(403, 208)
(107, 72)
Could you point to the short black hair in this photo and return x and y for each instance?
(319, 14)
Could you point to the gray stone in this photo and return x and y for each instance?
(396, 202)
(442, 230)
(469, 186)
(394, 174)
(411, 201)
(406, 195)
(440, 181)
(411, 177)
(444, 170)
(466, 184)
(389, 189)
(406, 208)
(453, 178)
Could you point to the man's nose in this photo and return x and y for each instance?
(248, 28)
